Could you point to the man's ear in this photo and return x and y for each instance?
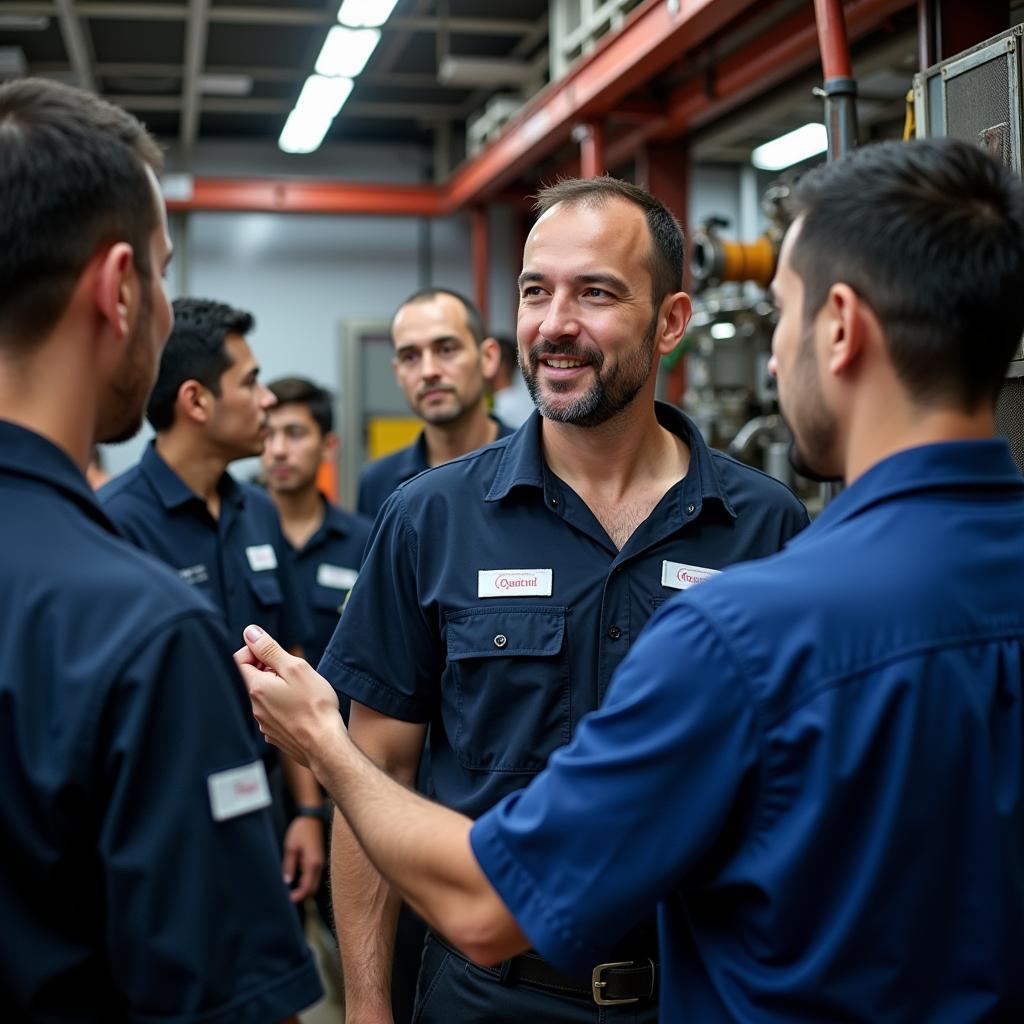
(675, 313)
(193, 401)
(847, 324)
(332, 444)
(490, 358)
(116, 288)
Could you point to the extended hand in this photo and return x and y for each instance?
(297, 709)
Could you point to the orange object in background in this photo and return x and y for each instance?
(748, 261)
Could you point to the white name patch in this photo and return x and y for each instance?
(681, 576)
(513, 583)
(261, 556)
(238, 791)
(335, 576)
(194, 574)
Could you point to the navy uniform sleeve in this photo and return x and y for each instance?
(637, 800)
(385, 651)
(198, 920)
(370, 498)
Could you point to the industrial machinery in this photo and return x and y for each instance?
(977, 96)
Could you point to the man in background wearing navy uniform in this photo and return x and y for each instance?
(327, 543)
(443, 362)
(502, 589)
(138, 873)
(209, 408)
(812, 764)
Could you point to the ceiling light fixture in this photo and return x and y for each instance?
(317, 105)
(365, 13)
(792, 148)
(346, 51)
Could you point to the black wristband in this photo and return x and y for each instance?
(310, 811)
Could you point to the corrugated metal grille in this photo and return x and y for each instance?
(978, 106)
(1010, 417)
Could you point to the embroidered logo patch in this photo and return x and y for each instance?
(335, 576)
(514, 583)
(681, 576)
(261, 556)
(237, 791)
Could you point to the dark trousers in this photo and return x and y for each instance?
(454, 991)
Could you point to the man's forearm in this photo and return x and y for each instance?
(365, 913)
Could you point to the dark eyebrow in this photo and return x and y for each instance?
(529, 275)
(613, 282)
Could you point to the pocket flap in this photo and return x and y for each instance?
(504, 631)
(266, 588)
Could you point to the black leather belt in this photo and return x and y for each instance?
(615, 983)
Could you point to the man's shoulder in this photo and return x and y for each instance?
(125, 489)
(467, 475)
(742, 481)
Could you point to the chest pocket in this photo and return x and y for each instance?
(269, 600)
(509, 673)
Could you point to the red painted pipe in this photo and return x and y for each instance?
(835, 48)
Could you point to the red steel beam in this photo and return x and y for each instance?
(649, 41)
(270, 195)
(592, 150)
(480, 249)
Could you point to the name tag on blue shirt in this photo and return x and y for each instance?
(681, 576)
(261, 556)
(194, 574)
(514, 583)
(335, 576)
(238, 791)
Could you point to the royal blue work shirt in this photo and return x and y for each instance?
(814, 767)
(325, 569)
(121, 897)
(493, 605)
(240, 561)
(380, 478)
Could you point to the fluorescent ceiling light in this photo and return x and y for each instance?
(346, 51)
(225, 85)
(723, 330)
(791, 148)
(315, 109)
(365, 13)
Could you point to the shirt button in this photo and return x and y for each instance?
(554, 503)
(690, 509)
(614, 632)
(500, 640)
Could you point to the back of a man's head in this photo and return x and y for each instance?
(666, 257)
(196, 350)
(301, 391)
(930, 234)
(72, 178)
(474, 321)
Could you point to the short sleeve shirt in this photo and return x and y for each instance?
(493, 606)
(380, 477)
(811, 766)
(325, 569)
(240, 561)
(121, 896)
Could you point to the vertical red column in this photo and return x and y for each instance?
(481, 257)
(591, 140)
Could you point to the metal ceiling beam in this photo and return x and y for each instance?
(76, 42)
(259, 105)
(274, 196)
(195, 57)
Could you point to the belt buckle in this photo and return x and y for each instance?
(597, 983)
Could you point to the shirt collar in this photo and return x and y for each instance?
(25, 453)
(335, 521)
(172, 491)
(522, 463)
(950, 465)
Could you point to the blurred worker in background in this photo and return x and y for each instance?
(812, 764)
(443, 363)
(518, 576)
(512, 402)
(139, 878)
(180, 503)
(327, 543)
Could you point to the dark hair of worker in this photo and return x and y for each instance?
(951, 322)
(300, 391)
(196, 350)
(67, 159)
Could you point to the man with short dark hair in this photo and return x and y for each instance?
(209, 408)
(443, 361)
(811, 764)
(518, 576)
(512, 402)
(138, 875)
(327, 543)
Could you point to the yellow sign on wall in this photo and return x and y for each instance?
(386, 434)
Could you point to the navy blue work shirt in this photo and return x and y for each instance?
(240, 561)
(379, 478)
(493, 605)
(325, 569)
(121, 897)
(812, 765)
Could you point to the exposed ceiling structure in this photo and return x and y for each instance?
(727, 73)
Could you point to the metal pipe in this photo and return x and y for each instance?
(840, 88)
